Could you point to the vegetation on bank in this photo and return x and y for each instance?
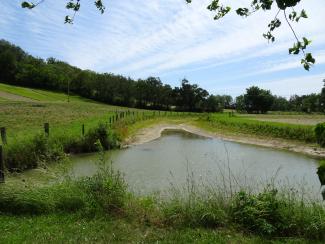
(231, 122)
(104, 197)
(27, 149)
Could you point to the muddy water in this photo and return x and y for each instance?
(178, 156)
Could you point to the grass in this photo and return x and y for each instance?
(237, 124)
(38, 94)
(71, 228)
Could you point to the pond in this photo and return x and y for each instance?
(178, 156)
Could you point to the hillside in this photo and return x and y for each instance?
(25, 110)
(16, 93)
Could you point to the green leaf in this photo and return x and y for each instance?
(68, 20)
(27, 5)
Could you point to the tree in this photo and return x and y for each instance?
(213, 104)
(322, 98)
(257, 100)
(240, 103)
(284, 6)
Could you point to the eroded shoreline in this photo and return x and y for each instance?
(153, 132)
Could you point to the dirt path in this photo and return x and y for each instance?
(153, 132)
(13, 97)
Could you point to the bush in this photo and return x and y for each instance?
(321, 172)
(257, 213)
(106, 190)
(107, 138)
(269, 214)
(40, 149)
(31, 153)
(320, 134)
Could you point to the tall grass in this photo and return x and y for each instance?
(303, 133)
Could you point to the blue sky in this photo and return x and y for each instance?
(172, 40)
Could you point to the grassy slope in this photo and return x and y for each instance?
(27, 118)
(37, 94)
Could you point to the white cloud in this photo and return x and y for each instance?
(157, 37)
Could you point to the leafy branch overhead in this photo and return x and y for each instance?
(284, 6)
(73, 5)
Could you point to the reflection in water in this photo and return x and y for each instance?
(153, 166)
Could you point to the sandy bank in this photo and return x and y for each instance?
(153, 132)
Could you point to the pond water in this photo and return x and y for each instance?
(178, 156)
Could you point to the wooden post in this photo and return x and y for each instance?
(3, 135)
(83, 129)
(47, 129)
(110, 120)
(2, 167)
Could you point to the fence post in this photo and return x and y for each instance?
(47, 129)
(2, 167)
(83, 129)
(3, 135)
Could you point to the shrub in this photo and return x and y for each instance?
(257, 213)
(107, 191)
(320, 134)
(267, 213)
(321, 172)
(107, 138)
(40, 149)
(29, 154)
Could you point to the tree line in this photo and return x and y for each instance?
(257, 100)
(19, 68)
